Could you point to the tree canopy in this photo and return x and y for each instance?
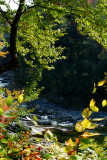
(35, 27)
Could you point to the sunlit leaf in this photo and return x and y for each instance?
(20, 98)
(37, 131)
(86, 123)
(9, 100)
(104, 103)
(98, 119)
(56, 147)
(94, 90)
(35, 118)
(1, 112)
(79, 127)
(88, 134)
(49, 136)
(101, 83)
(92, 126)
(86, 113)
(3, 54)
(92, 103)
(94, 109)
(70, 143)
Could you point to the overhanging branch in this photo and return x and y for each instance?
(5, 16)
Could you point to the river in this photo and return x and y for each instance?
(54, 117)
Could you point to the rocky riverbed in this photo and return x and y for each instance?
(51, 116)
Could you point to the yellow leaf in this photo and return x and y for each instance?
(88, 134)
(98, 119)
(101, 83)
(70, 143)
(92, 126)
(79, 127)
(104, 103)
(86, 113)
(3, 54)
(64, 149)
(92, 103)
(86, 123)
(56, 147)
(49, 136)
(93, 107)
(20, 98)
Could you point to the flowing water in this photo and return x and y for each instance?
(56, 118)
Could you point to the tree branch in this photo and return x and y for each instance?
(14, 27)
(5, 16)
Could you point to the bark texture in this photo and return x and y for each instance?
(14, 62)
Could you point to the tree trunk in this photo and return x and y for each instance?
(14, 62)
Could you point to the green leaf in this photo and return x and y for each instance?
(47, 156)
(2, 125)
(79, 127)
(4, 140)
(104, 103)
(86, 141)
(1, 150)
(1, 111)
(76, 157)
(35, 118)
(86, 113)
(94, 90)
(56, 147)
(9, 115)
(49, 136)
(9, 100)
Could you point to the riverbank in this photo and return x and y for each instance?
(52, 116)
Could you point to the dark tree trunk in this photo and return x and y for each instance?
(14, 62)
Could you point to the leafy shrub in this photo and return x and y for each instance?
(14, 146)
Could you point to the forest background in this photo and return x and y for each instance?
(70, 83)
